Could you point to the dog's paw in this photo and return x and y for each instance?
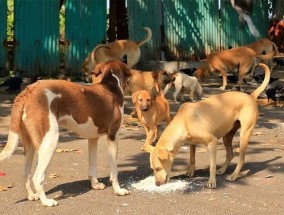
(232, 177)
(190, 172)
(222, 88)
(221, 171)
(211, 183)
(49, 202)
(98, 186)
(121, 192)
(33, 196)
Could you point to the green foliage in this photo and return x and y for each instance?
(10, 20)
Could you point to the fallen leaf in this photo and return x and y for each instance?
(5, 188)
(2, 173)
(54, 175)
(278, 150)
(60, 150)
(257, 133)
(201, 150)
(269, 176)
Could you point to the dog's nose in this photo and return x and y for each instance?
(144, 108)
(158, 183)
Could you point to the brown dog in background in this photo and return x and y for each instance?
(205, 122)
(145, 80)
(264, 46)
(227, 60)
(115, 51)
(151, 111)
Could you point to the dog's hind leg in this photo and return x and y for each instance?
(168, 86)
(178, 89)
(29, 155)
(244, 139)
(227, 139)
(112, 153)
(191, 167)
(45, 153)
(93, 147)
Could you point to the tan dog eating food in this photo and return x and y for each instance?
(116, 51)
(151, 111)
(227, 60)
(204, 122)
(90, 111)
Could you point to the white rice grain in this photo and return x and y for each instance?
(148, 185)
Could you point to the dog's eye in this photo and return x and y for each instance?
(157, 169)
(148, 100)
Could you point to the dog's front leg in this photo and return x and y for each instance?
(191, 167)
(224, 75)
(212, 146)
(112, 154)
(93, 147)
(168, 86)
(150, 134)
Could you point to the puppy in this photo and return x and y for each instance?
(183, 83)
(264, 46)
(227, 60)
(204, 122)
(13, 84)
(116, 50)
(151, 111)
(258, 76)
(90, 111)
(274, 91)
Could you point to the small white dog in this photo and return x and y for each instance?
(183, 82)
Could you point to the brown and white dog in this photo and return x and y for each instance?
(264, 46)
(90, 111)
(115, 51)
(204, 122)
(151, 111)
(182, 83)
(227, 60)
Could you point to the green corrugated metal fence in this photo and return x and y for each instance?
(36, 36)
(194, 28)
(233, 33)
(85, 28)
(145, 13)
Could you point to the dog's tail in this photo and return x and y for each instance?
(14, 131)
(93, 53)
(265, 82)
(147, 38)
(267, 56)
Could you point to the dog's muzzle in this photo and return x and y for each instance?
(158, 183)
(144, 108)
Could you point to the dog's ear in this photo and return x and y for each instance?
(134, 97)
(97, 76)
(163, 154)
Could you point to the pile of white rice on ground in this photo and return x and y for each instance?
(148, 185)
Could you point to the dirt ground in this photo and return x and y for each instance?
(259, 190)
